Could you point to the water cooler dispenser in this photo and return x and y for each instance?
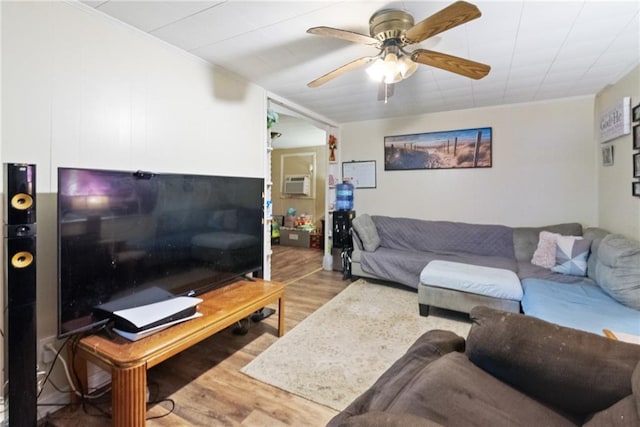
(342, 240)
(344, 196)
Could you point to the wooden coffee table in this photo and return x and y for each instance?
(128, 361)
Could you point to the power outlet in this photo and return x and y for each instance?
(45, 355)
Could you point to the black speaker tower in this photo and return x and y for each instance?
(20, 294)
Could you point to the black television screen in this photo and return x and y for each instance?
(120, 233)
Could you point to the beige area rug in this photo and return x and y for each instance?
(340, 350)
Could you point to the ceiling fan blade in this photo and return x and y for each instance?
(385, 91)
(350, 36)
(451, 16)
(464, 67)
(341, 70)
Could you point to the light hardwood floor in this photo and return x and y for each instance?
(205, 381)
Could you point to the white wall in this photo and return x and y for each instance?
(544, 167)
(618, 210)
(80, 89)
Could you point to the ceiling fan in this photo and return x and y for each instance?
(391, 31)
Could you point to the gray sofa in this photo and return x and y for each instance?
(606, 297)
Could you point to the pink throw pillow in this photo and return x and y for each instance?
(545, 254)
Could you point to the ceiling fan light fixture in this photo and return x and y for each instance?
(390, 70)
(407, 66)
(377, 70)
(391, 59)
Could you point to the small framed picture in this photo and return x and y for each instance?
(636, 165)
(635, 188)
(607, 155)
(635, 113)
(636, 137)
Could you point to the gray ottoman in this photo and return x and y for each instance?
(460, 287)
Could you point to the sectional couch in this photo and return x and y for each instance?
(598, 289)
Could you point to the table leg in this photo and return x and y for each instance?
(129, 390)
(281, 315)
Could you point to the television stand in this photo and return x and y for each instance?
(128, 361)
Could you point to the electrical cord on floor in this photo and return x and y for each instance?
(83, 400)
(102, 412)
(72, 389)
(154, 401)
(63, 361)
(88, 400)
(58, 388)
(53, 362)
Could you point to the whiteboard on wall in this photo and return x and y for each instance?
(361, 173)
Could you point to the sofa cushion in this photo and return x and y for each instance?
(526, 270)
(574, 371)
(444, 237)
(618, 269)
(475, 279)
(621, 413)
(427, 348)
(545, 253)
(625, 412)
(571, 255)
(525, 239)
(596, 235)
(387, 419)
(454, 392)
(560, 303)
(404, 266)
(367, 232)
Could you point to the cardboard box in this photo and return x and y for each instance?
(289, 221)
(294, 237)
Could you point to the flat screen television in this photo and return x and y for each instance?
(123, 232)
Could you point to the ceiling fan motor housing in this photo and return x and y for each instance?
(390, 24)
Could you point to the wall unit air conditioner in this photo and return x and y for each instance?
(297, 185)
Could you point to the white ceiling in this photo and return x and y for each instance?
(537, 50)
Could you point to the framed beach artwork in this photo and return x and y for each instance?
(451, 149)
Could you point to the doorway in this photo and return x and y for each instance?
(299, 180)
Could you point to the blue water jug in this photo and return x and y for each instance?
(344, 196)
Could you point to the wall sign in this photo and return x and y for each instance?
(616, 121)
